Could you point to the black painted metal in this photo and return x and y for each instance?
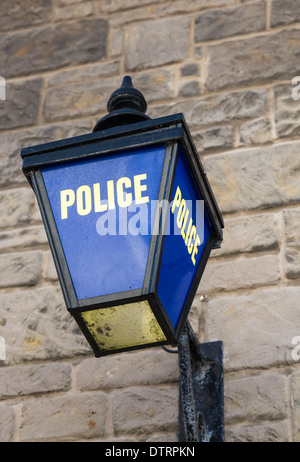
(201, 400)
(126, 105)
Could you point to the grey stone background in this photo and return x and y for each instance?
(228, 66)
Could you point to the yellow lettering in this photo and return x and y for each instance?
(195, 249)
(188, 231)
(177, 199)
(181, 212)
(192, 236)
(121, 193)
(84, 200)
(189, 236)
(139, 188)
(67, 199)
(111, 194)
(97, 199)
(184, 223)
(124, 199)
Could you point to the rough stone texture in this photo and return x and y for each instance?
(287, 109)
(45, 330)
(153, 44)
(25, 13)
(158, 404)
(13, 142)
(15, 206)
(295, 386)
(228, 22)
(286, 12)
(254, 60)
(20, 269)
(213, 139)
(257, 329)
(52, 47)
(124, 370)
(64, 418)
(23, 237)
(267, 433)
(249, 234)
(241, 273)
(292, 242)
(7, 423)
(256, 131)
(21, 105)
(255, 397)
(217, 109)
(35, 379)
(239, 182)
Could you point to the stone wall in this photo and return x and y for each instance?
(228, 65)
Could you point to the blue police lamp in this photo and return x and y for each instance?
(131, 221)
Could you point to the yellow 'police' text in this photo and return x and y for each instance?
(188, 232)
(122, 192)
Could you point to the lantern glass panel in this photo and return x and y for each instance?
(123, 326)
(102, 212)
(187, 235)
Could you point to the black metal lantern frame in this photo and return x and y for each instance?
(173, 133)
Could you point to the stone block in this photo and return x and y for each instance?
(23, 237)
(16, 15)
(221, 108)
(292, 242)
(12, 142)
(248, 234)
(256, 131)
(189, 88)
(64, 418)
(257, 397)
(20, 269)
(117, 5)
(169, 7)
(253, 60)
(63, 44)
(295, 387)
(89, 96)
(45, 329)
(286, 12)
(240, 183)
(15, 206)
(257, 329)
(271, 432)
(7, 423)
(144, 410)
(213, 139)
(83, 74)
(287, 109)
(148, 367)
(240, 273)
(156, 43)
(79, 10)
(21, 106)
(221, 23)
(31, 379)
(79, 99)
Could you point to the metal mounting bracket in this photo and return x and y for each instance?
(201, 397)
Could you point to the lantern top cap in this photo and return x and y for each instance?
(126, 105)
(127, 97)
